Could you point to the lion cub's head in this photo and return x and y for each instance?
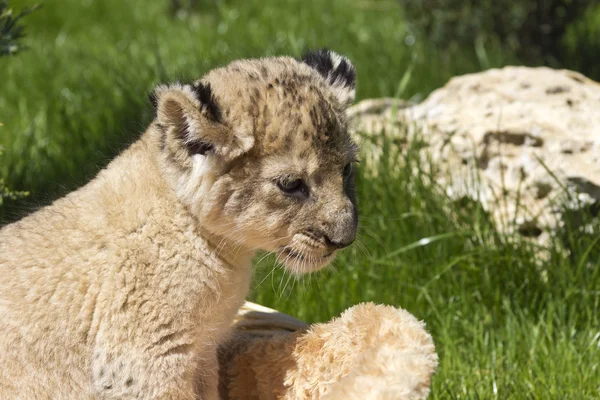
(260, 153)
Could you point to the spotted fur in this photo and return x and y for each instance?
(124, 288)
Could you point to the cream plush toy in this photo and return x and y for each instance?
(369, 352)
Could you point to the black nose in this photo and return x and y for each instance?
(338, 244)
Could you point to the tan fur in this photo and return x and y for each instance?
(370, 352)
(124, 288)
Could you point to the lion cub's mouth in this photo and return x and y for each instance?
(291, 253)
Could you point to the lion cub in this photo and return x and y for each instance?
(124, 288)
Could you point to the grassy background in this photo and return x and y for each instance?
(506, 324)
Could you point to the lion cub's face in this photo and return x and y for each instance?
(260, 153)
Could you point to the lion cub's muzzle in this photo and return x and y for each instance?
(330, 229)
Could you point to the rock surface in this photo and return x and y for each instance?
(512, 126)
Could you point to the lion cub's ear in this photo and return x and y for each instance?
(192, 120)
(337, 70)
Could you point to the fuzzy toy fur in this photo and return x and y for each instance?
(371, 352)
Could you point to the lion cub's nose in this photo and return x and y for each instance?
(342, 232)
(342, 236)
(340, 244)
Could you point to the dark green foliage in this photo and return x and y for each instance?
(177, 6)
(183, 8)
(535, 30)
(6, 193)
(581, 43)
(11, 31)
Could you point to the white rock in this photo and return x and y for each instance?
(513, 125)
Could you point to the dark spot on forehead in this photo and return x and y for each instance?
(330, 127)
(264, 71)
(313, 117)
(265, 115)
(288, 142)
(287, 105)
(305, 153)
(297, 120)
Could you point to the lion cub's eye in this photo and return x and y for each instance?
(293, 187)
(347, 170)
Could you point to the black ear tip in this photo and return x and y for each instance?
(318, 53)
(319, 59)
(332, 66)
(204, 94)
(203, 91)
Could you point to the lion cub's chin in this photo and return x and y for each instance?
(303, 262)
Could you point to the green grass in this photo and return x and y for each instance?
(506, 324)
